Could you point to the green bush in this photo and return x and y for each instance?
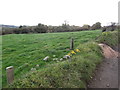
(95, 26)
(110, 38)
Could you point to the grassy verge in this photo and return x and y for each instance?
(109, 38)
(65, 74)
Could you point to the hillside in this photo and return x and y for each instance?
(8, 26)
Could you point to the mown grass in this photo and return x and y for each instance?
(25, 51)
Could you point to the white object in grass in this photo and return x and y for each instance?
(61, 59)
(37, 65)
(66, 57)
(33, 69)
(46, 58)
(54, 55)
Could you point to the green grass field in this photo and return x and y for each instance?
(0, 62)
(25, 51)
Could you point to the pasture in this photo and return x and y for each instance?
(25, 51)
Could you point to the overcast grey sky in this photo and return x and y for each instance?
(54, 12)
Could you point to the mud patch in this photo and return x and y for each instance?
(108, 52)
(106, 74)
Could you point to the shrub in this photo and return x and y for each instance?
(95, 26)
(109, 38)
(86, 27)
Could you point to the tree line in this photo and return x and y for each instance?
(41, 28)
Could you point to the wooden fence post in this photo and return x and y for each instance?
(71, 44)
(10, 74)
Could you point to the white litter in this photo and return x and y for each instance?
(46, 58)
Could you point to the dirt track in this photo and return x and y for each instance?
(106, 74)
